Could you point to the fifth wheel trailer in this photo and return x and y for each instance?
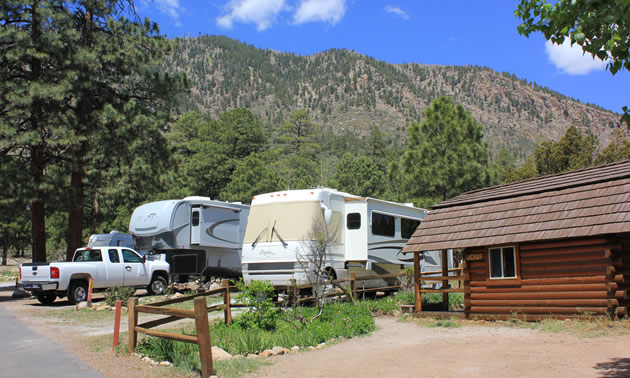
(366, 235)
(199, 236)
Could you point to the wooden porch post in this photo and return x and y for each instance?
(416, 281)
(445, 282)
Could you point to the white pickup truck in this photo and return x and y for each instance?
(108, 266)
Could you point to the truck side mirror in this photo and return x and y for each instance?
(144, 259)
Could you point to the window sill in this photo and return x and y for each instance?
(503, 282)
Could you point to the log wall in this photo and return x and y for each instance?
(563, 278)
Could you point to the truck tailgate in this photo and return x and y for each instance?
(36, 272)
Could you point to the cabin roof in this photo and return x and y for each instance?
(587, 202)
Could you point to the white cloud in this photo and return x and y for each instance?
(331, 11)
(572, 59)
(262, 13)
(169, 7)
(397, 11)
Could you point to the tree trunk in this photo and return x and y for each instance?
(38, 216)
(75, 217)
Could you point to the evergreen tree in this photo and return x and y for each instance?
(617, 149)
(446, 154)
(572, 151)
(360, 176)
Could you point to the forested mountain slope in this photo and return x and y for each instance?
(348, 92)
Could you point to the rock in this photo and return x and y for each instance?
(166, 363)
(219, 354)
(214, 286)
(148, 360)
(320, 346)
(278, 350)
(295, 349)
(311, 348)
(82, 305)
(137, 355)
(237, 356)
(251, 356)
(266, 353)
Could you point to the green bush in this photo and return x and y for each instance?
(121, 293)
(337, 320)
(262, 313)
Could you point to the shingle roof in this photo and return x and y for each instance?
(591, 201)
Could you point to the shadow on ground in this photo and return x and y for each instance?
(617, 367)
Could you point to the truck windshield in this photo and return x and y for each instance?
(291, 220)
(87, 255)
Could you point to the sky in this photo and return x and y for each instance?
(453, 32)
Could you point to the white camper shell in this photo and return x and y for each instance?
(199, 236)
(366, 235)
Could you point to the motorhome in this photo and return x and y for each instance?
(199, 236)
(365, 235)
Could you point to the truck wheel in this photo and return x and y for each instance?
(46, 298)
(157, 286)
(78, 292)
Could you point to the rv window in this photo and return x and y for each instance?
(130, 256)
(408, 227)
(382, 224)
(353, 221)
(195, 218)
(502, 262)
(113, 256)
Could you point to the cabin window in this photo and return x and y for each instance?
(113, 256)
(353, 221)
(195, 218)
(408, 227)
(502, 262)
(382, 224)
(130, 256)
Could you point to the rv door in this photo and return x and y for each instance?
(356, 231)
(195, 225)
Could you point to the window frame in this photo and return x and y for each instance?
(348, 221)
(134, 254)
(414, 230)
(504, 281)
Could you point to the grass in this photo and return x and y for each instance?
(9, 272)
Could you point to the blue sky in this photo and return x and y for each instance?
(455, 32)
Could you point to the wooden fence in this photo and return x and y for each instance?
(443, 278)
(199, 314)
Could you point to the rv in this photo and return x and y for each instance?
(199, 236)
(365, 235)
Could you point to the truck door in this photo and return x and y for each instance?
(195, 225)
(135, 271)
(356, 225)
(115, 268)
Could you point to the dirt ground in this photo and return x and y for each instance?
(396, 349)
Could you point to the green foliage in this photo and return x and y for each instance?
(337, 320)
(360, 176)
(252, 175)
(617, 149)
(601, 28)
(261, 313)
(446, 154)
(118, 293)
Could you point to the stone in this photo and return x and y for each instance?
(215, 286)
(19, 292)
(295, 349)
(251, 356)
(278, 350)
(237, 356)
(311, 348)
(219, 354)
(266, 353)
(82, 305)
(166, 363)
(148, 360)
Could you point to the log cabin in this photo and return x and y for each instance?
(554, 246)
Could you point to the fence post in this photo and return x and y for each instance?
(353, 285)
(444, 256)
(203, 336)
(133, 322)
(226, 300)
(294, 296)
(117, 324)
(416, 281)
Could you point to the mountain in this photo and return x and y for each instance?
(348, 92)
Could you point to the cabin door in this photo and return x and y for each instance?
(195, 225)
(356, 231)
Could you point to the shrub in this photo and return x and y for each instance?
(122, 293)
(262, 313)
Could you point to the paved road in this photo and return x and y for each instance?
(25, 353)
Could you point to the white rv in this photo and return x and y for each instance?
(366, 235)
(199, 236)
